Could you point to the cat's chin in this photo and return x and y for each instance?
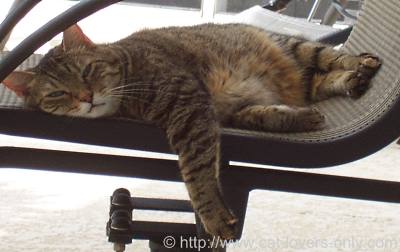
(100, 108)
(88, 110)
(97, 110)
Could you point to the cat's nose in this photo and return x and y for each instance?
(86, 97)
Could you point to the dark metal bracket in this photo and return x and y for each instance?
(121, 228)
(276, 5)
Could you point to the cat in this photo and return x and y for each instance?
(191, 81)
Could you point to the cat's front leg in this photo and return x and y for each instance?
(193, 132)
(324, 58)
(278, 118)
(338, 83)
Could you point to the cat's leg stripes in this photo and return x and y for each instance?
(193, 133)
(278, 118)
(338, 83)
(321, 57)
(330, 72)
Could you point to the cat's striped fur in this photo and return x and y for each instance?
(190, 81)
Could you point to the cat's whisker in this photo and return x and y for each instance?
(131, 84)
(116, 88)
(135, 89)
(142, 90)
(121, 98)
(130, 92)
(130, 95)
(108, 90)
(132, 78)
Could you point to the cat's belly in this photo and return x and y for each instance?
(234, 93)
(260, 74)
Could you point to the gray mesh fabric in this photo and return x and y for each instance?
(7, 98)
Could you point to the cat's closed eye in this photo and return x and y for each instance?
(87, 70)
(56, 94)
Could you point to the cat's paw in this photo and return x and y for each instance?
(310, 119)
(358, 81)
(356, 84)
(368, 65)
(222, 224)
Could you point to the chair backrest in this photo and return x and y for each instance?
(377, 31)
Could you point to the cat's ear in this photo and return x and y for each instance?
(18, 82)
(74, 37)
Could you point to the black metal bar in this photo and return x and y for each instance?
(316, 184)
(255, 178)
(88, 163)
(121, 133)
(48, 31)
(15, 16)
(276, 5)
(161, 204)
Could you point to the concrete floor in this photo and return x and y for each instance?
(45, 211)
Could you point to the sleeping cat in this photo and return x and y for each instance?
(191, 81)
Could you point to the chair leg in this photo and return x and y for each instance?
(183, 237)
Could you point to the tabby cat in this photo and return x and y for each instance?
(191, 81)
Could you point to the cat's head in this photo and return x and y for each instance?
(73, 79)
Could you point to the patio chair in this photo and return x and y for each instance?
(324, 33)
(355, 129)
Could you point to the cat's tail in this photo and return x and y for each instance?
(193, 132)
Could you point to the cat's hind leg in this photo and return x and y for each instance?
(328, 72)
(278, 118)
(338, 83)
(321, 57)
(365, 63)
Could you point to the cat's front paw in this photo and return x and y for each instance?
(220, 223)
(310, 119)
(356, 84)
